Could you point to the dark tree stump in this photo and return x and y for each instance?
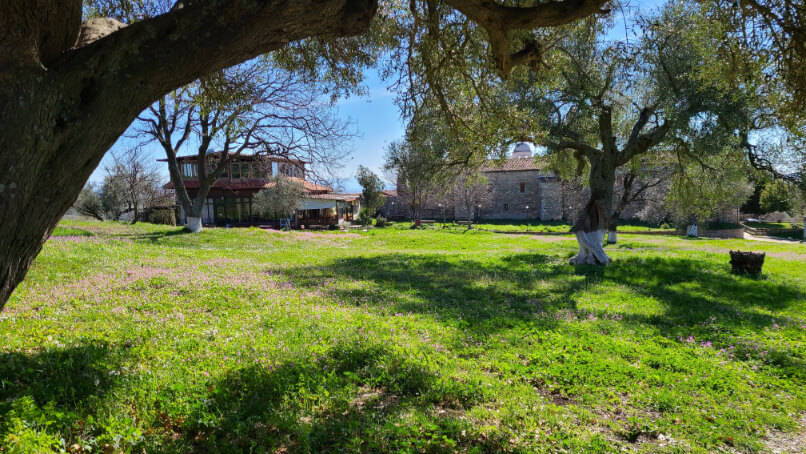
(746, 262)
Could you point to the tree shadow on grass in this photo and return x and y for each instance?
(355, 397)
(479, 295)
(72, 380)
(156, 237)
(695, 290)
(489, 295)
(706, 302)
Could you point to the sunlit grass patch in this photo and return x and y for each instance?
(147, 338)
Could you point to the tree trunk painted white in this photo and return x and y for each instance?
(612, 237)
(590, 249)
(194, 224)
(692, 231)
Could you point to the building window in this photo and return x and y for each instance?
(189, 169)
(523, 186)
(506, 207)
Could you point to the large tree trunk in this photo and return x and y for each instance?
(594, 217)
(195, 208)
(62, 107)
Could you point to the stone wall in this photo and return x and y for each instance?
(507, 201)
(723, 233)
(547, 197)
(551, 198)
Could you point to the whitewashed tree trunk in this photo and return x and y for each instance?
(692, 231)
(612, 237)
(591, 251)
(194, 224)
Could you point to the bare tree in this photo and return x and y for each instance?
(89, 202)
(251, 108)
(470, 189)
(134, 179)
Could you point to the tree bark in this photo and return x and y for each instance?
(136, 213)
(595, 216)
(62, 107)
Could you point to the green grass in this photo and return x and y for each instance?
(147, 339)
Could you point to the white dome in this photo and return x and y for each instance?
(522, 150)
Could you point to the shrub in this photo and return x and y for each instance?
(780, 196)
(364, 218)
(162, 217)
(380, 221)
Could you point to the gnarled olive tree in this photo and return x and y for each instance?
(615, 102)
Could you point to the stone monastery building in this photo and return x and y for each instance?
(517, 189)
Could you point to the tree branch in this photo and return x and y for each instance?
(119, 75)
(581, 147)
(643, 142)
(498, 20)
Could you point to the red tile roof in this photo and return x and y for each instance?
(512, 164)
(259, 183)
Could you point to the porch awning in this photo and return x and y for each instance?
(316, 204)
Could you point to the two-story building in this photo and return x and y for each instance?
(229, 201)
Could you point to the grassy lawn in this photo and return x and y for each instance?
(148, 339)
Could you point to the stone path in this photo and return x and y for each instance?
(787, 442)
(769, 239)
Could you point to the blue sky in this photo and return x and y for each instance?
(378, 122)
(377, 118)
